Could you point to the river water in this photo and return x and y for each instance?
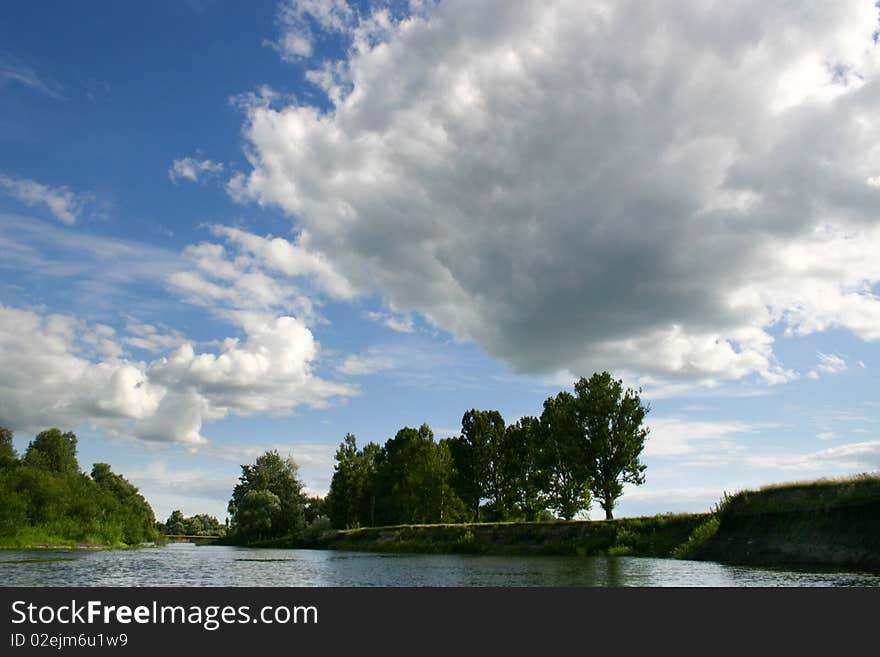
(185, 564)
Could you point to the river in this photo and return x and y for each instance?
(185, 564)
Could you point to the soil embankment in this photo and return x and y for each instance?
(833, 524)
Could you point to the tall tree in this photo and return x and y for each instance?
(347, 488)
(520, 458)
(413, 480)
(370, 457)
(564, 457)
(8, 456)
(611, 418)
(477, 473)
(285, 502)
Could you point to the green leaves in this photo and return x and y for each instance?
(46, 494)
(611, 420)
(268, 501)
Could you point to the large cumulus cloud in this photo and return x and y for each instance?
(579, 185)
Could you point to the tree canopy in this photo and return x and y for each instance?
(611, 418)
(47, 498)
(268, 501)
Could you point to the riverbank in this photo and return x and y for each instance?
(654, 536)
(826, 523)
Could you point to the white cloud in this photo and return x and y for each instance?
(679, 437)
(64, 204)
(301, 22)
(149, 338)
(828, 364)
(189, 168)
(851, 458)
(291, 258)
(362, 364)
(227, 284)
(491, 168)
(55, 377)
(401, 323)
(13, 71)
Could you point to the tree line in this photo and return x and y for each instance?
(46, 498)
(583, 447)
(200, 524)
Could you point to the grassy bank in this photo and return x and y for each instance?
(650, 536)
(826, 523)
(41, 538)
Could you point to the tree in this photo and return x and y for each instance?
(520, 459)
(316, 507)
(259, 516)
(564, 457)
(53, 450)
(345, 497)
(127, 507)
(285, 510)
(370, 456)
(8, 456)
(611, 420)
(47, 495)
(414, 480)
(473, 453)
(176, 523)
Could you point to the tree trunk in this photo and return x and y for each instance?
(608, 506)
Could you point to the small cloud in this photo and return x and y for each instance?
(14, 72)
(399, 323)
(189, 168)
(64, 204)
(861, 364)
(362, 364)
(302, 22)
(827, 435)
(828, 364)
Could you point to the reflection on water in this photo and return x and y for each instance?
(184, 564)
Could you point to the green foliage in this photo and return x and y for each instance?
(698, 538)
(583, 446)
(198, 525)
(268, 501)
(611, 420)
(53, 450)
(8, 456)
(47, 499)
(563, 457)
(479, 470)
(524, 479)
(351, 478)
(414, 480)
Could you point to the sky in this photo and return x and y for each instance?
(232, 227)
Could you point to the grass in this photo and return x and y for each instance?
(49, 538)
(816, 494)
(647, 536)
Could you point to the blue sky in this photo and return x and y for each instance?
(228, 227)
